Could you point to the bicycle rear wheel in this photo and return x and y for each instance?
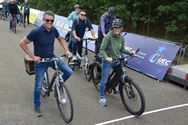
(132, 97)
(96, 74)
(64, 102)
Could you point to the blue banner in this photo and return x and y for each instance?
(155, 56)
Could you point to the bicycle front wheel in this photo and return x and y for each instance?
(132, 97)
(87, 72)
(64, 102)
(14, 24)
(96, 74)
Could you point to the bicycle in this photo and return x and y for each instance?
(131, 94)
(61, 92)
(87, 65)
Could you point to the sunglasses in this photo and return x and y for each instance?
(83, 14)
(48, 20)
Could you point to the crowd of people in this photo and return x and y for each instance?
(12, 8)
(109, 44)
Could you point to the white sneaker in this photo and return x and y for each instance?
(102, 102)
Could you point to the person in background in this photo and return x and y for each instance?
(13, 10)
(104, 27)
(5, 8)
(78, 30)
(73, 16)
(26, 11)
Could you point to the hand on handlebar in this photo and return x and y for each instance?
(78, 38)
(133, 53)
(109, 59)
(69, 54)
(36, 58)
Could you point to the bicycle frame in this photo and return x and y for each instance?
(118, 74)
(85, 59)
(57, 75)
(61, 92)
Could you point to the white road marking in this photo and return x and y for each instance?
(145, 113)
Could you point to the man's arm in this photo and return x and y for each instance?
(23, 44)
(70, 16)
(102, 22)
(62, 42)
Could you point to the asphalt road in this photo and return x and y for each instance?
(16, 94)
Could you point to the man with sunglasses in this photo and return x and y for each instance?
(78, 30)
(43, 39)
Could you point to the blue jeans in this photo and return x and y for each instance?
(106, 70)
(70, 42)
(76, 46)
(40, 69)
(11, 20)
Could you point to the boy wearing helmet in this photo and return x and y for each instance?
(104, 27)
(111, 48)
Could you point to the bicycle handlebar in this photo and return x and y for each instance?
(126, 57)
(92, 39)
(52, 59)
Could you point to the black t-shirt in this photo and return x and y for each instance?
(13, 8)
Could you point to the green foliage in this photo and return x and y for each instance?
(151, 17)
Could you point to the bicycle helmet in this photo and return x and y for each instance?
(117, 23)
(111, 10)
(76, 6)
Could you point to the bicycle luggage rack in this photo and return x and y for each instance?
(29, 65)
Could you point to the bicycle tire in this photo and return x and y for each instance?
(45, 85)
(130, 91)
(14, 23)
(61, 105)
(87, 72)
(96, 74)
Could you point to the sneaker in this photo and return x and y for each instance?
(38, 112)
(102, 102)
